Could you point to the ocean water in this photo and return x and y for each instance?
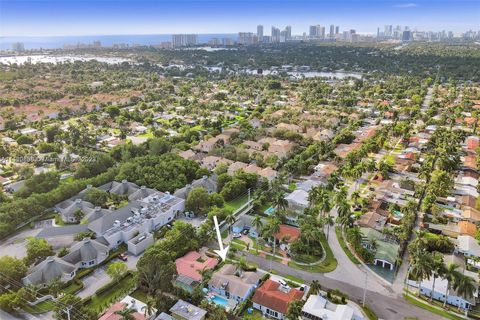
(106, 40)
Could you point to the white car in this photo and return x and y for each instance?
(236, 235)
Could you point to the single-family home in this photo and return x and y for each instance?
(183, 310)
(48, 270)
(319, 308)
(87, 253)
(189, 268)
(233, 283)
(273, 299)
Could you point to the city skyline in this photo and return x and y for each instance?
(76, 18)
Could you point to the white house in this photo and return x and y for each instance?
(441, 292)
(317, 307)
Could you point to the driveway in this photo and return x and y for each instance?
(93, 282)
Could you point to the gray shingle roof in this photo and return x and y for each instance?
(62, 231)
(86, 250)
(104, 223)
(48, 270)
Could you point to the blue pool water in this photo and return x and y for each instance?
(270, 211)
(220, 301)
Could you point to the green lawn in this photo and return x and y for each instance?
(139, 295)
(343, 244)
(369, 312)
(327, 265)
(240, 242)
(294, 279)
(430, 308)
(233, 205)
(42, 307)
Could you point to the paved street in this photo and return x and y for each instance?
(389, 306)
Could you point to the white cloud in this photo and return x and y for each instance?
(406, 5)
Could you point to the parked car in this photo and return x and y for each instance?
(122, 256)
(236, 235)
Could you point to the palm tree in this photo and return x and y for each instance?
(148, 307)
(421, 267)
(230, 220)
(465, 287)
(438, 269)
(257, 223)
(279, 202)
(126, 313)
(273, 229)
(294, 310)
(451, 274)
(241, 264)
(315, 287)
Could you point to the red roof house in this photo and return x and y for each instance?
(287, 233)
(110, 313)
(192, 263)
(273, 299)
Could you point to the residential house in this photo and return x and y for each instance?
(74, 210)
(189, 268)
(233, 283)
(111, 315)
(87, 253)
(468, 246)
(440, 292)
(211, 162)
(234, 167)
(48, 270)
(244, 222)
(209, 183)
(273, 298)
(317, 307)
(386, 250)
(183, 310)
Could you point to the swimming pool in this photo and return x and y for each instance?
(270, 211)
(220, 301)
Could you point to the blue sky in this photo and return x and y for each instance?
(107, 17)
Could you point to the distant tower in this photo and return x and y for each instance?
(260, 33)
(313, 32)
(288, 32)
(275, 35)
(337, 29)
(332, 30)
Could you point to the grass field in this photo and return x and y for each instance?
(344, 246)
(233, 205)
(327, 265)
(430, 308)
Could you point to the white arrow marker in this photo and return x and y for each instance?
(222, 252)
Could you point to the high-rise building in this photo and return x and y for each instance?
(288, 32)
(183, 40)
(407, 35)
(337, 29)
(18, 47)
(275, 38)
(260, 32)
(332, 30)
(321, 32)
(313, 32)
(247, 38)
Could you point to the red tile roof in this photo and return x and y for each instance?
(189, 266)
(288, 232)
(269, 295)
(110, 313)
